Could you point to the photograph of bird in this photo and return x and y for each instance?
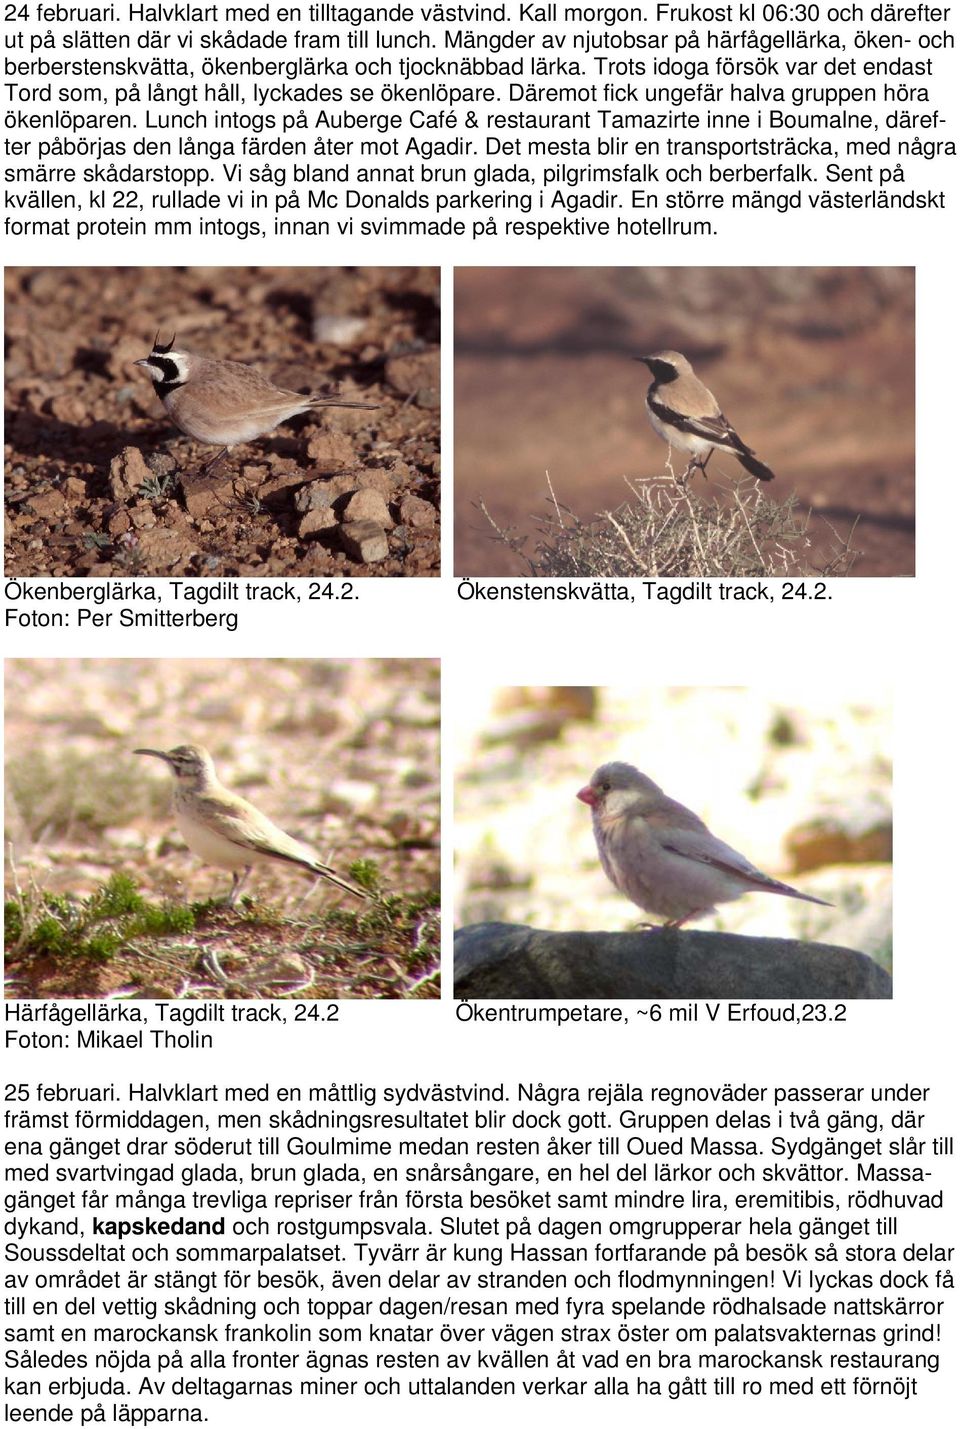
(663, 857)
(225, 830)
(222, 403)
(687, 415)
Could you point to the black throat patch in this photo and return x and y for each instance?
(171, 378)
(663, 372)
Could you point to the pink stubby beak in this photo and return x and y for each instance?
(587, 795)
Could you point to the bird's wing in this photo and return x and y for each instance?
(729, 436)
(695, 841)
(717, 428)
(712, 429)
(254, 831)
(261, 836)
(669, 826)
(330, 399)
(702, 847)
(232, 380)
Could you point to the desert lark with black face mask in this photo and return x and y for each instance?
(222, 403)
(227, 831)
(687, 415)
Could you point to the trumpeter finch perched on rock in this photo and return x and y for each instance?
(661, 856)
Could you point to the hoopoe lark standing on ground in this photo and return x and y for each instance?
(227, 831)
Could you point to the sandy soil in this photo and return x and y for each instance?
(98, 481)
(815, 368)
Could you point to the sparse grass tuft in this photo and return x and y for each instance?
(158, 488)
(398, 921)
(365, 874)
(116, 940)
(395, 911)
(45, 924)
(251, 911)
(667, 532)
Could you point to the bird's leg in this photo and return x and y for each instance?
(687, 917)
(208, 466)
(204, 479)
(703, 464)
(240, 875)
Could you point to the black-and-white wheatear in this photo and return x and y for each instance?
(687, 415)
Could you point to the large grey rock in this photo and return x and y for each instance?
(508, 960)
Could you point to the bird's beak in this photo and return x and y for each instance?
(157, 754)
(586, 795)
(141, 362)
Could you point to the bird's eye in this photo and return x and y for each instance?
(605, 786)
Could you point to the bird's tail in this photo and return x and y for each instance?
(773, 885)
(304, 857)
(322, 871)
(755, 467)
(321, 399)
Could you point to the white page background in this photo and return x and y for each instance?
(897, 633)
